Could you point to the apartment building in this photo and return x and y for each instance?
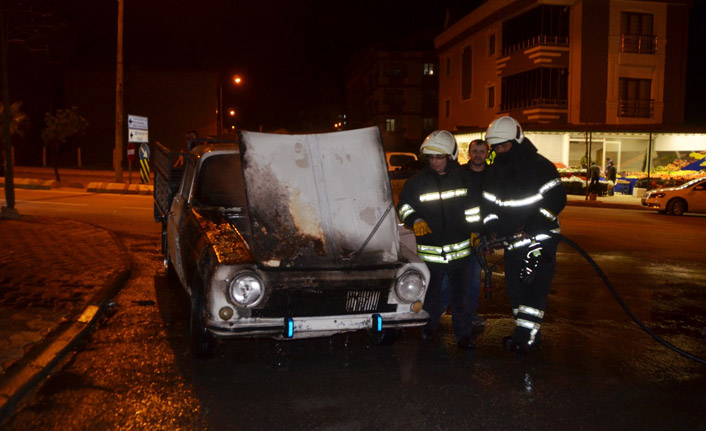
(394, 87)
(619, 62)
(588, 79)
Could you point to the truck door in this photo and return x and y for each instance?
(175, 219)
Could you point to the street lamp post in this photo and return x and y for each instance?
(237, 80)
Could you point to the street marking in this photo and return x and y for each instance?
(50, 203)
(88, 314)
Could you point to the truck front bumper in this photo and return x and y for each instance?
(310, 327)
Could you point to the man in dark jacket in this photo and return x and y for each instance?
(522, 199)
(436, 204)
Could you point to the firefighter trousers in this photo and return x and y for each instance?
(528, 297)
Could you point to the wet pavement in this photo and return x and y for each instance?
(57, 276)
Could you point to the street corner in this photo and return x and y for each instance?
(120, 188)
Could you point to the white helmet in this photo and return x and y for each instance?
(440, 142)
(504, 129)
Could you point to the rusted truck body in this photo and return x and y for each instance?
(288, 236)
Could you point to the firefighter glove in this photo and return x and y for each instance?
(421, 228)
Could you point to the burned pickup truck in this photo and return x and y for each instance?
(288, 236)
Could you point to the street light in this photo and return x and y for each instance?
(237, 80)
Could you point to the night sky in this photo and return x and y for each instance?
(291, 54)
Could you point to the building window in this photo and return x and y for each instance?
(389, 124)
(636, 33)
(394, 100)
(447, 109)
(545, 87)
(491, 97)
(448, 66)
(466, 72)
(393, 71)
(428, 69)
(429, 124)
(543, 25)
(635, 98)
(491, 44)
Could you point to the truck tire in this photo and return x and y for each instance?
(169, 270)
(202, 342)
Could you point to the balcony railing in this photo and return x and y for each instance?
(638, 43)
(535, 102)
(639, 108)
(536, 41)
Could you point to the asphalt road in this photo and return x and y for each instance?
(596, 370)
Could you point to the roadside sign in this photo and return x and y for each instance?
(130, 152)
(135, 135)
(137, 122)
(144, 152)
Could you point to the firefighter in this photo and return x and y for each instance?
(522, 199)
(435, 204)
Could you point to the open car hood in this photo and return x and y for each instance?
(319, 200)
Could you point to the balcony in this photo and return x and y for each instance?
(636, 108)
(535, 102)
(536, 41)
(638, 44)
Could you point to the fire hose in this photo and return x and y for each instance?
(486, 245)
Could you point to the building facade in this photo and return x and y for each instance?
(589, 80)
(619, 62)
(397, 91)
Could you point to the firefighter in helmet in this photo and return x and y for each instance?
(522, 199)
(436, 204)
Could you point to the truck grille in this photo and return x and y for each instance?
(325, 302)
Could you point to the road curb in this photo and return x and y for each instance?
(28, 374)
(29, 183)
(136, 189)
(601, 204)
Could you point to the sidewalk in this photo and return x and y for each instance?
(102, 181)
(92, 181)
(56, 277)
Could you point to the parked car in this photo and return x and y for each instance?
(288, 237)
(689, 197)
(401, 166)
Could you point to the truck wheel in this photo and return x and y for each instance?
(169, 270)
(676, 206)
(202, 342)
(386, 337)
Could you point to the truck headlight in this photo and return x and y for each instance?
(410, 286)
(246, 289)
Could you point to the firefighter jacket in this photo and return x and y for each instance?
(522, 193)
(444, 202)
(476, 189)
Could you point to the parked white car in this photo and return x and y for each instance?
(689, 197)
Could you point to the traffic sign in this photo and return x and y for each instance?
(137, 135)
(144, 152)
(137, 122)
(130, 152)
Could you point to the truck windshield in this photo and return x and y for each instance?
(220, 182)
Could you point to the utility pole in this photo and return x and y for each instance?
(119, 115)
(9, 210)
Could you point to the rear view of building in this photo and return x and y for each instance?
(394, 87)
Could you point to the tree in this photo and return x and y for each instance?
(21, 22)
(60, 128)
(17, 120)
